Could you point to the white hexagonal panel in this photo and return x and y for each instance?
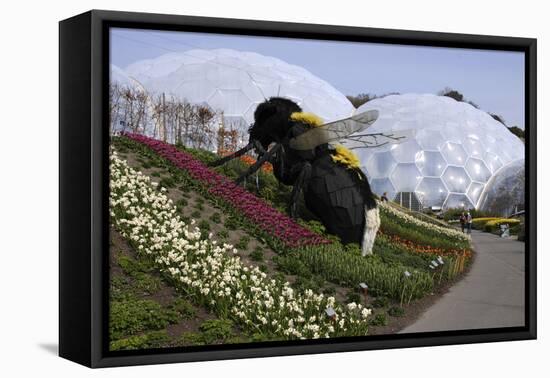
(405, 177)
(456, 179)
(477, 170)
(455, 200)
(406, 152)
(473, 146)
(381, 186)
(492, 161)
(431, 191)
(454, 153)
(431, 163)
(429, 139)
(474, 191)
(380, 165)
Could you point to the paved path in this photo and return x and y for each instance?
(491, 295)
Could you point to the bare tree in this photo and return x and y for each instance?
(114, 106)
(203, 129)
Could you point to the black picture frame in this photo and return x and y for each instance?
(83, 181)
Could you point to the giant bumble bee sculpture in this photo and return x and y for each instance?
(299, 146)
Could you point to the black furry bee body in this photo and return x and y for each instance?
(337, 193)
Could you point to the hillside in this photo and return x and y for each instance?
(216, 263)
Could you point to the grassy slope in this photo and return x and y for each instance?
(307, 268)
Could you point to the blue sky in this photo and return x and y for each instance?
(492, 79)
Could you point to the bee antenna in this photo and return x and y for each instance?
(257, 86)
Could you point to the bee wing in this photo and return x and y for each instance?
(362, 140)
(333, 131)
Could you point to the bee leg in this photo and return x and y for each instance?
(234, 155)
(254, 167)
(300, 183)
(259, 148)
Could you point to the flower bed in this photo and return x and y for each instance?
(207, 273)
(425, 249)
(430, 227)
(253, 208)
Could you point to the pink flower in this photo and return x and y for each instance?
(259, 212)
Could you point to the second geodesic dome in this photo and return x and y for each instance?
(454, 152)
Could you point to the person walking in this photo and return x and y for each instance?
(462, 221)
(384, 197)
(469, 222)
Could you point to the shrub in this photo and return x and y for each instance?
(154, 339)
(379, 320)
(182, 202)
(257, 254)
(216, 330)
(216, 218)
(243, 242)
(184, 308)
(396, 311)
(204, 225)
(380, 302)
(353, 296)
(135, 315)
(494, 225)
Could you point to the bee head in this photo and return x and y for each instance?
(271, 120)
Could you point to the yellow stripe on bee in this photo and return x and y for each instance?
(346, 157)
(308, 118)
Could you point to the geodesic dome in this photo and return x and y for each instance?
(453, 153)
(505, 192)
(235, 82)
(120, 77)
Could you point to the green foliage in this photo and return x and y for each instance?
(242, 244)
(396, 311)
(257, 254)
(139, 271)
(167, 182)
(353, 296)
(216, 330)
(216, 218)
(183, 308)
(223, 234)
(192, 338)
(520, 133)
(182, 202)
(291, 264)
(379, 302)
(154, 339)
(196, 214)
(392, 255)
(231, 223)
(379, 320)
(204, 225)
(132, 315)
(314, 283)
(454, 214)
(349, 269)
